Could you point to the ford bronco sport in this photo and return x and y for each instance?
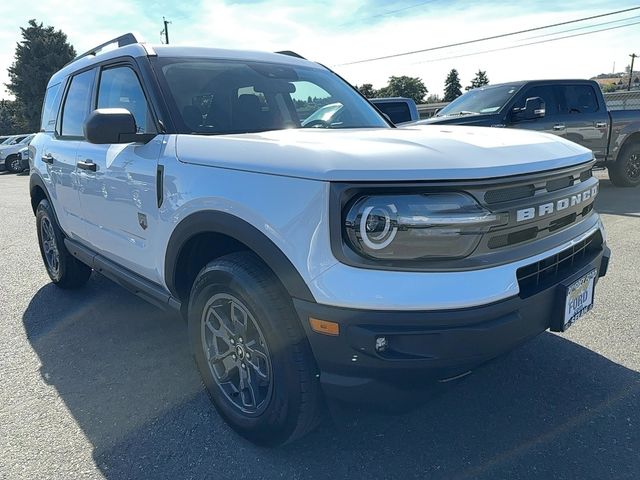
(338, 258)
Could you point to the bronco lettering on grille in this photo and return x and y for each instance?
(556, 206)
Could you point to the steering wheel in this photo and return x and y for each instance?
(318, 123)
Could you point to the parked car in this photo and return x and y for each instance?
(22, 162)
(399, 110)
(573, 109)
(347, 260)
(10, 158)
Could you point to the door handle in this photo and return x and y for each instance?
(87, 165)
(47, 158)
(601, 124)
(559, 126)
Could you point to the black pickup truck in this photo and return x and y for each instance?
(574, 109)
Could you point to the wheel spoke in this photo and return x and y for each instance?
(246, 386)
(239, 317)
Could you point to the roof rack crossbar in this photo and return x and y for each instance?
(291, 54)
(122, 40)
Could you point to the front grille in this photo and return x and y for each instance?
(545, 190)
(509, 194)
(537, 276)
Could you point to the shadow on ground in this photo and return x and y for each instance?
(549, 409)
(618, 201)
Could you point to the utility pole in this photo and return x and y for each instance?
(633, 57)
(165, 32)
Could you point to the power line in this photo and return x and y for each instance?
(391, 12)
(526, 44)
(580, 28)
(484, 39)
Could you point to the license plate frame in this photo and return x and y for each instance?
(575, 300)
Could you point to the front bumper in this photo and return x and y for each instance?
(432, 345)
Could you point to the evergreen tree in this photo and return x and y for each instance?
(452, 86)
(42, 52)
(479, 80)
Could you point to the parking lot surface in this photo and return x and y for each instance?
(95, 383)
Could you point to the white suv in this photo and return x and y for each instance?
(342, 258)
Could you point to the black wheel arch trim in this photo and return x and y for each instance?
(234, 227)
(37, 181)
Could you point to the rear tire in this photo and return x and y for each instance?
(242, 325)
(64, 270)
(625, 172)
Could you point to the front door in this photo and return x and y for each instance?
(118, 191)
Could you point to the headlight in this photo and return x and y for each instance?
(409, 227)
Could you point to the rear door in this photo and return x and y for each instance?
(118, 198)
(583, 118)
(58, 153)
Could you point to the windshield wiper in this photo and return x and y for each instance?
(462, 112)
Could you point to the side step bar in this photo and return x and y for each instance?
(149, 291)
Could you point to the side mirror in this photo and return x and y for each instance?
(534, 108)
(113, 125)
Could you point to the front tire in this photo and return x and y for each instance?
(251, 351)
(625, 172)
(64, 270)
(12, 163)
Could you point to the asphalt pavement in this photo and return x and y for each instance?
(95, 383)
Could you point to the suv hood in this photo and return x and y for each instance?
(421, 152)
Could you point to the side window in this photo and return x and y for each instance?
(398, 112)
(546, 93)
(578, 99)
(50, 108)
(120, 88)
(76, 105)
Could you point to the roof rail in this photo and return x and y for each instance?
(291, 54)
(122, 40)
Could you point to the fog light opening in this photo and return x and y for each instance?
(381, 344)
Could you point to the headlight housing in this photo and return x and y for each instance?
(404, 227)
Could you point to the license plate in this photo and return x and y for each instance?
(579, 299)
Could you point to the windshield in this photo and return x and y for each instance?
(480, 100)
(225, 97)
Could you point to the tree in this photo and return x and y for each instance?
(479, 80)
(608, 88)
(42, 52)
(367, 90)
(452, 86)
(11, 121)
(433, 98)
(410, 87)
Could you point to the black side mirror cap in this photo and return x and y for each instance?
(113, 125)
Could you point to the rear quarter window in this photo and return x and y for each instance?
(50, 108)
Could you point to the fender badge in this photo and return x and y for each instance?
(142, 220)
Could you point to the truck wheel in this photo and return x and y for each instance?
(625, 172)
(251, 351)
(64, 270)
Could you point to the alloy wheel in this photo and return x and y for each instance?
(633, 166)
(237, 353)
(49, 246)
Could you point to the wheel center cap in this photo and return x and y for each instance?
(240, 351)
